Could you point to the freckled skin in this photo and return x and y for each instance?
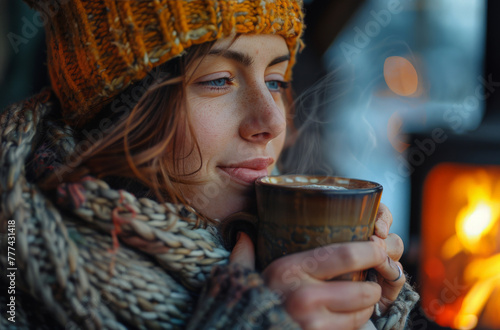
(242, 119)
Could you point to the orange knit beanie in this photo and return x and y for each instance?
(97, 48)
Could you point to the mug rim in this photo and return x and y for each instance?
(376, 186)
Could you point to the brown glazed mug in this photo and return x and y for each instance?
(303, 212)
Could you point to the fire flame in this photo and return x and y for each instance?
(476, 221)
(477, 225)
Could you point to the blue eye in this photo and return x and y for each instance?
(217, 82)
(275, 85)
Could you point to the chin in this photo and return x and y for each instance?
(224, 207)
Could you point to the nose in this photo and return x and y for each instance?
(263, 119)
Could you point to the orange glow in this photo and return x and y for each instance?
(490, 267)
(451, 247)
(461, 228)
(468, 321)
(400, 75)
(477, 219)
(474, 302)
(434, 269)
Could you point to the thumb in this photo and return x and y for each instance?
(243, 252)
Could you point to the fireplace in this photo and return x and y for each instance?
(460, 251)
(454, 253)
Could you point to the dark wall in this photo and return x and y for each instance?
(22, 53)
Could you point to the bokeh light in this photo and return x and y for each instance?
(400, 75)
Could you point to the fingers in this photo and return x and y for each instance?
(324, 320)
(243, 252)
(393, 245)
(392, 272)
(383, 221)
(326, 262)
(333, 305)
(391, 276)
(393, 281)
(336, 296)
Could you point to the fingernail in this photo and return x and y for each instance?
(392, 263)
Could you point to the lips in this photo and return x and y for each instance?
(248, 171)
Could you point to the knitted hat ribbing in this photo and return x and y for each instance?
(98, 48)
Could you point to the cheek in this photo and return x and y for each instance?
(213, 135)
(209, 129)
(212, 120)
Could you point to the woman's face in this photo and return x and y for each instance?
(236, 109)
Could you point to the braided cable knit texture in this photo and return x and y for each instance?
(70, 261)
(396, 317)
(96, 49)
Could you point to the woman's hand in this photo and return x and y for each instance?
(315, 303)
(393, 245)
(312, 301)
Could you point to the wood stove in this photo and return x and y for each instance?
(455, 249)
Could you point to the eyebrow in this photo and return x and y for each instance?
(280, 59)
(243, 58)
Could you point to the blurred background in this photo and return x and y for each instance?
(401, 92)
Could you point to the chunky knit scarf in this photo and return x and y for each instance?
(94, 257)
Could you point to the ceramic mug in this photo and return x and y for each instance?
(303, 212)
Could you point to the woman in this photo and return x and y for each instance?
(172, 110)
